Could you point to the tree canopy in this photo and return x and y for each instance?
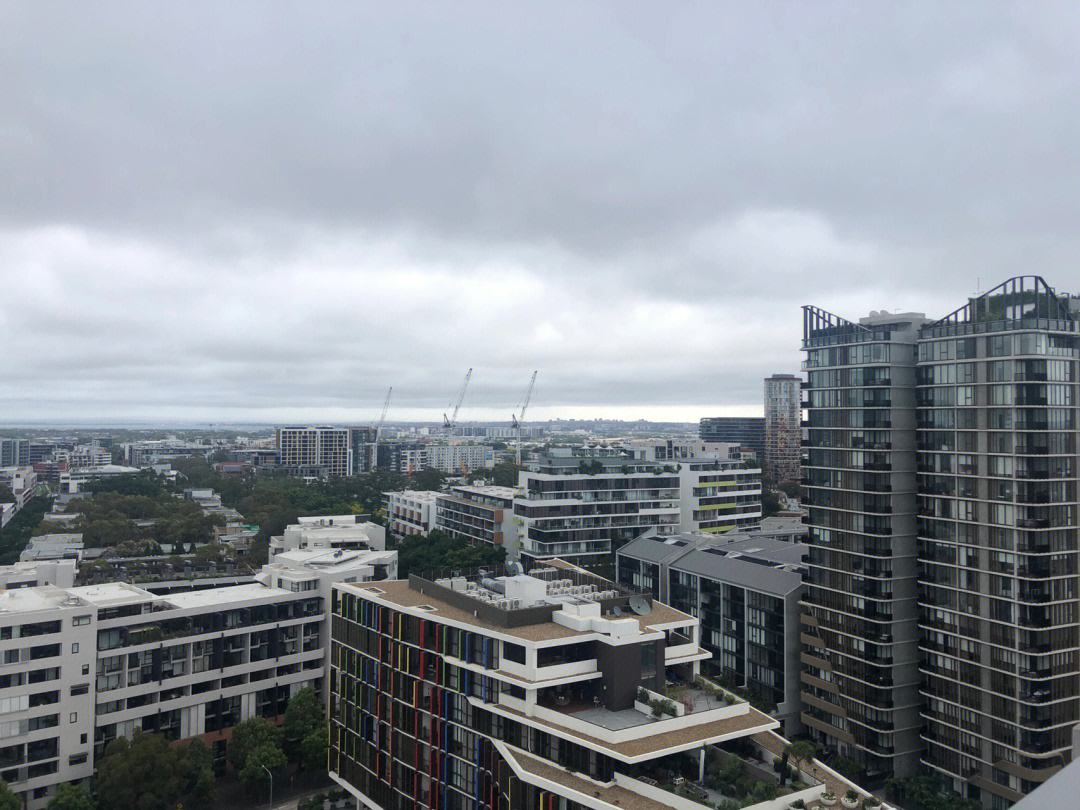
(420, 553)
(72, 797)
(8, 800)
(304, 729)
(147, 773)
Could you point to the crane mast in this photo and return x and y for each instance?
(517, 420)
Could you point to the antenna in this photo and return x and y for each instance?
(640, 605)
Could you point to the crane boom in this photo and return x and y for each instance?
(382, 416)
(519, 419)
(450, 422)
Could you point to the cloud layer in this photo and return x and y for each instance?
(260, 212)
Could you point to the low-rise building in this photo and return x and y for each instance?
(410, 512)
(478, 514)
(745, 588)
(333, 532)
(85, 665)
(73, 479)
(67, 546)
(60, 573)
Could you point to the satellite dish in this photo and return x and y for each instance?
(513, 569)
(640, 605)
(617, 611)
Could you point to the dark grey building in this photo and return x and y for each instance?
(984, 403)
(745, 588)
(14, 452)
(860, 646)
(749, 431)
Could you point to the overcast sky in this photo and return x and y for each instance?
(273, 211)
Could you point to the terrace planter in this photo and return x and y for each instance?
(850, 804)
(827, 800)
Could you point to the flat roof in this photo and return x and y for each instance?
(487, 489)
(613, 795)
(112, 594)
(27, 600)
(399, 592)
(646, 747)
(222, 596)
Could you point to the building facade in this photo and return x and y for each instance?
(746, 431)
(745, 589)
(508, 693)
(860, 656)
(325, 452)
(1000, 610)
(584, 504)
(85, 665)
(410, 512)
(783, 429)
(479, 514)
(992, 437)
(459, 459)
(14, 452)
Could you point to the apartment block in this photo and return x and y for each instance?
(998, 398)
(479, 514)
(963, 431)
(14, 452)
(860, 657)
(746, 431)
(325, 452)
(84, 665)
(520, 692)
(783, 430)
(584, 504)
(459, 459)
(410, 512)
(745, 589)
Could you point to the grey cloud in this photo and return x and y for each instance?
(292, 206)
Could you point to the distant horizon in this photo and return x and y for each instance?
(224, 425)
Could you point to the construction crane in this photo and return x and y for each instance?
(451, 421)
(378, 429)
(517, 420)
(382, 416)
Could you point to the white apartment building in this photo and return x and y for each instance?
(459, 459)
(332, 532)
(479, 514)
(717, 496)
(410, 512)
(66, 546)
(84, 665)
(73, 480)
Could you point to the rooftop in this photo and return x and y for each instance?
(27, 600)
(489, 490)
(112, 594)
(467, 601)
(222, 596)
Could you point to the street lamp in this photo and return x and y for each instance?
(271, 775)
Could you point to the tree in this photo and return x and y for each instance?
(72, 797)
(313, 749)
(250, 736)
(505, 474)
(770, 503)
(142, 774)
(267, 756)
(801, 752)
(303, 715)
(8, 800)
(197, 773)
(428, 480)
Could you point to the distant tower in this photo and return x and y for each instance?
(783, 431)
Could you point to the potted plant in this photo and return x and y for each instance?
(850, 800)
(828, 799)
(798, 804)
(871, 802)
